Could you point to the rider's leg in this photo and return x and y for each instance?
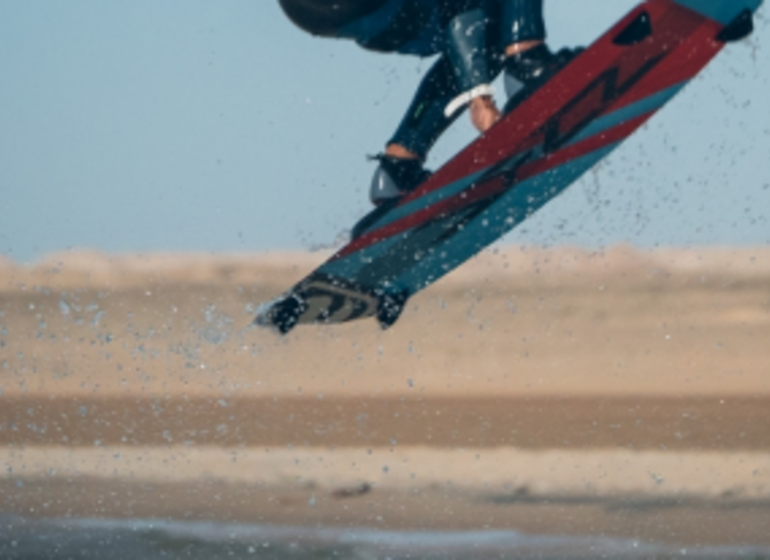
(400, 170)
(460, 78)
(472, 58)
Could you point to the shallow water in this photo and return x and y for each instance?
(151, 539)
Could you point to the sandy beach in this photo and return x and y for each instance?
(621, 393)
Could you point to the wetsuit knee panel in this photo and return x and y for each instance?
(468, 48)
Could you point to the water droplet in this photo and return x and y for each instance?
(64, 307)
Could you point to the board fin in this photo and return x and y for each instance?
(740, 28)
(282, 314)
(390, 307)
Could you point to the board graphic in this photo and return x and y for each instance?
(543, 144)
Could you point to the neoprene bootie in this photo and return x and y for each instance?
(529, 70)
(395, 177)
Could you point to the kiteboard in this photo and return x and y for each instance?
(542, 145)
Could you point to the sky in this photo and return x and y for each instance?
(191, 125)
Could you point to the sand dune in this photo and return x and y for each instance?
(520, 322)
(92, 269)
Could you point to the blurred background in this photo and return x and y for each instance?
(596, 385)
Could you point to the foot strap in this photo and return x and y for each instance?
(464, 98)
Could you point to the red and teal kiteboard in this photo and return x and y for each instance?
(533, 154)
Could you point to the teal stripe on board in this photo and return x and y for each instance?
(429, 199)
(504, 215)
(616, 118)
(647, 105)
(349, 266)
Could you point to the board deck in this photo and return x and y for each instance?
(543, 144)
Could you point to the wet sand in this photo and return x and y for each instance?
(620, 393)
(688, 498)
(691, 522)
(633, 423)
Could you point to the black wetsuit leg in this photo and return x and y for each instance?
(476, 35)
(470, 41)
(521, 20)
(471, 56)
(425, 120)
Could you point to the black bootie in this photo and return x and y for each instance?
(527, 71)
(395, 177)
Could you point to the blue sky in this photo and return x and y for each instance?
(217, 126)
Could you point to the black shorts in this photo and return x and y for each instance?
(415, 27)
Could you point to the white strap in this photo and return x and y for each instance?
(465, 98)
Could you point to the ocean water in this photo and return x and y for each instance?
(151, 539)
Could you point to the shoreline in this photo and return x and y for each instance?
(679, 521)
(505, 474)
